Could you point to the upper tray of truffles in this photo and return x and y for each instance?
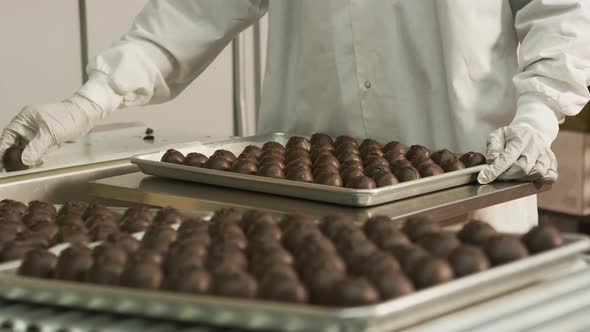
(342, 162)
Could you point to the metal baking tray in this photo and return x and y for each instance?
(150, 164)
(264, 315)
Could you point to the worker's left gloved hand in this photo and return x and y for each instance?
(519, 153)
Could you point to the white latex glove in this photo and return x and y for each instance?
(519, 153)
(42, 127)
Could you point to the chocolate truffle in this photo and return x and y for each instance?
(73, 219)
(343, 139)
(73, 263)
(471, 159)
(352, 292)
(195, 159)
(49, 229)
(72, 234)
(168, 216)
(173, 156)
(272, 158)
(98, 210)
(326, 169)
(10, 204)
(14, 251)
(298, 163)
(371, 150)
(218, 163)
(73, 208)
(244, 166)
(274, 146)
(12, 159)
(142, 275)
(225, 154)
(388, 239)
(405, 174)
(542, 238)
(100, 232)
(409, 255)
(252, 152)
(192, 280)
(379, 224)
(415, 228)
(38, 263)
(125, 241)
(416, 151)
(321, 285)
(375, 169)
(442, 156)
(134, 225)
(33, 218)
(158, 238)
(376, 263)
(393, 156)
(233, 235)
(429, 272)
(503, 249)
(330, 179)
(348, 156)
(361, 182)
(282, 290)
(468, 259)
(180, 258)
(439, 244)
(353, 163)
(325, 160)
(277, 272)
(302, 175)
(240, 285)
(331, 224)
(298, 142)
(109, 254)
(400, 163)
(317, 152)
(271, 171)
(321, 139)
(374, 160)
(392, 284)
(349, 173)
(42, 207)
(385, 179)
(476, 232)
(35, 239)
(369, 142)
(452, 165)
(226, 253)
(105, 274)
(395, 146)
(145, 256)
(430, 169)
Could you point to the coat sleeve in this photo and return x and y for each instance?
(170, 43)
(554, 62)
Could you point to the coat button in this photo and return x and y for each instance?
(367, 84)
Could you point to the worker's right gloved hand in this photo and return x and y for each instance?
(39, 128)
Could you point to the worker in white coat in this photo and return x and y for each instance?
(442, 73)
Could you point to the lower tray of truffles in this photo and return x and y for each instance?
(340, 162)
(333, 262)
(40, 225)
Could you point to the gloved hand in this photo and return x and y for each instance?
(519, 153)
(49, 125)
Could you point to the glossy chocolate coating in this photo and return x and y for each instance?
(392, 284)
(274, 146)
(135, 224)
(442, 156)
(303, 175)
(218, 163)
(429, 272)
(430, 169)
(352, 292)
(38, 263)
(125, 241)
(374, 264)
(109, 254)
(72, 234)
(142, 275)
(452, 165)
(195, 159)
(244, 166)
(395, 146)
(98, 210)
(73, 263)
(353, 163)
(389, 238)
(417, 150)
(298, 142)
(371, 150)
(12, 159)
(468, 259)
(408, 255)
(360, 182)
(439, 244)
(42, 207)
(471, 159)
(316, 152)
(73, 208)
(393, 156)
(415, 228)
(329, 178)
(282, 290)
(73, 219)
(240, 285)
(321, 139)
(33, 218)
(344, 139)
(325, 169)
(375, 169)
(503, 249)
(348, 156)
(542, 238)
(225, 154)
(13, 206)
(173, 156)
(476, 232)
(405, 174)
(192, 280)
(384, 179)
(400, 163)
(421, 160)
(158, 238)
(299, 163)
(350, 173)
(326, 160)
(252, 152)
(168, 216)
(271, 171)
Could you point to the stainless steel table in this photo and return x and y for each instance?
(444, 204)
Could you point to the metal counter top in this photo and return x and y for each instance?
(444, 204)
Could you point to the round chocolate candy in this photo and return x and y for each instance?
(542, 238)
(442, 156)
(304, 163)
(321, 139)
(330, 179)
(218, 163)
(375, 263)
(371, 150)
(225, 154)
(430, 169)
(298, 142)
(42, 207)
(393, 156)
(125, 241)
(14, 251)
(173, 156)
(168, 216)
(503, 249)
(417, 150)
(73, 219)
(73, 263)
(252, 151)
(134, 225)
(233, 235)
(326, 160)
(180, 258)
(240, 285)
(389, 238)
(468, 259)
(317, 152)
(331, 225)
(476, 232)
(195, 159)
(302, 175)
(73, 208)
(374, 160)
(428, 272)
(139, 211)
(326, 169)
(72, 234)
(392, 284)
(352, 292)
(369, 142)
(405, 174)
(347, 148)
(408, 255)
(145, 256)
(226, 253)
(361, 182)
(244, 166)
(191, 280)
(109, 254)
(439, 244)
(271, 171)
(272, 157)
(385, 179)
(8, 233)
(400, 163)
(420, 160)
(321, 285)
(192, 224)
(471, 159)
(35, 239)
(453, 165)
(349, 173)
(101, 232)
(38, 263)
(353, 163)
(348, 156)
(343, 139)
(415, 228)
(378, 224)
(158, 238)
(373, 170)
(105, 274)
(142, 275)
(274, 146)
(395, 146)
(98, 210)
(33, 218)
(12, 159)
(282, 290)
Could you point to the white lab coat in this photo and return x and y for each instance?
(443, 73)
